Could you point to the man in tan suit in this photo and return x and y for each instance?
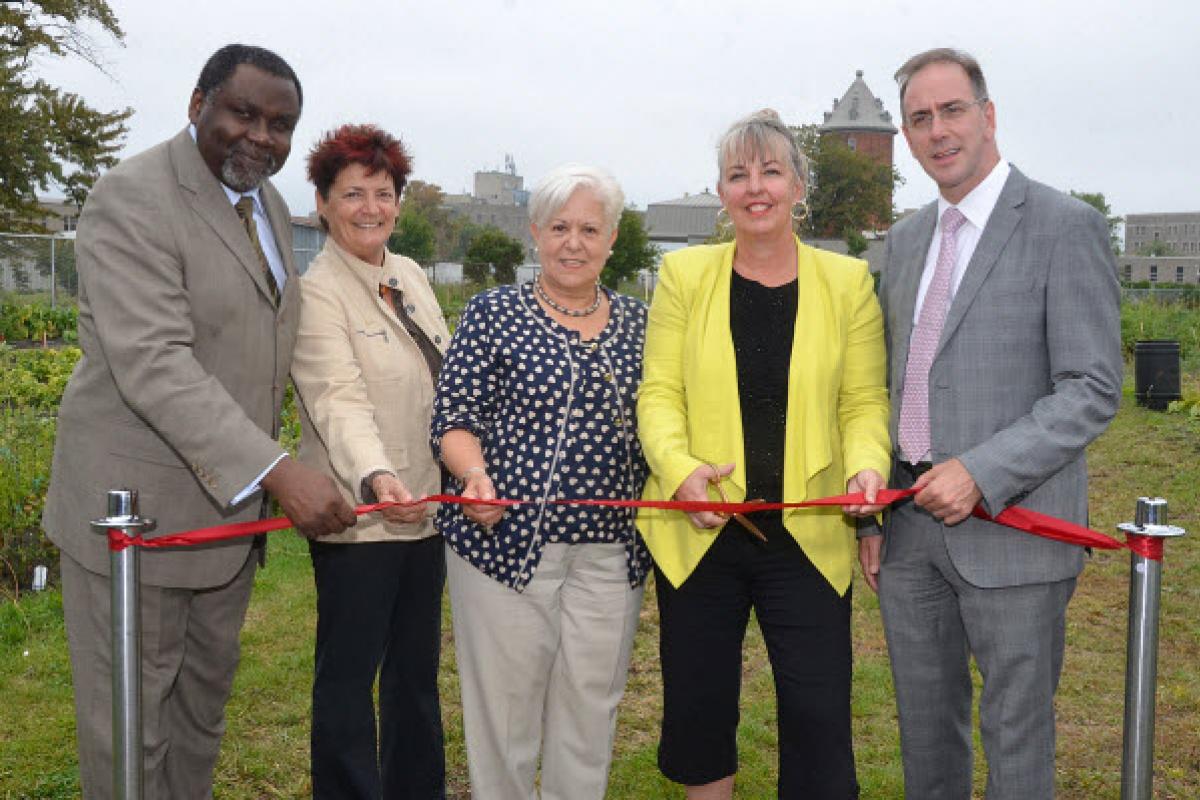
(187, 315)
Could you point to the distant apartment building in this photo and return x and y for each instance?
(1161, 270)
(499, 199)
(1179, 232)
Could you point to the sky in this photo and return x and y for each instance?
(1090, 95)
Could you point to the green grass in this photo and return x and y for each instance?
(266, 747)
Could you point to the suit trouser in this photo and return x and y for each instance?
(190, 651)
(934, 622)
(543, 670)
(379, 611)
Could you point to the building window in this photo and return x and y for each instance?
(1179, 274)
(1128, 272)
(69, 222)
(1154, 273)
(852, 143)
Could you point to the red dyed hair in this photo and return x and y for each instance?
(368, 145)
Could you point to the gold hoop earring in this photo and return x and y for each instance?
(802, 214)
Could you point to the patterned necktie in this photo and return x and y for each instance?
(245, 212)
(914, 405)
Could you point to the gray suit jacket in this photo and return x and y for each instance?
(1027, 373)
(184, 365)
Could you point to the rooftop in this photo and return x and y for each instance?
(858, 110)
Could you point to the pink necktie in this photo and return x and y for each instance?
(914, 405)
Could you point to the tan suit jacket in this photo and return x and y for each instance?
(366, 391)
(185, 360)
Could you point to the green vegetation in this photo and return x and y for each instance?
(493, 254)
(849, 190)
(266, 747)
(1096, 200)
(52, 138)
(35, 322)
(632, 252)
(1149, 319)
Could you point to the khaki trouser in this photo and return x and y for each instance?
(542, 671)
(190, 652)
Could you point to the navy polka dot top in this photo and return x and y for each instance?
(555, 416)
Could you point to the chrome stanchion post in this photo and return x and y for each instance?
(1141, 656)
(125, 568)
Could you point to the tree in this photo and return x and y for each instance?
(632, 252)
(1096, 200)
(848, 190)
(51, 138)
(413, 236)
(856, 243)
(499, 250)
(452, 233)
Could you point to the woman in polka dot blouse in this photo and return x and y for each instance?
(536, 401)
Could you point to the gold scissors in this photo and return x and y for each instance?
(741, 518)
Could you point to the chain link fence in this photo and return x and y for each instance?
(39, 266)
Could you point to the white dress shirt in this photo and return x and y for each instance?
(977, 207)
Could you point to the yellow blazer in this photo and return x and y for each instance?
(689, 412)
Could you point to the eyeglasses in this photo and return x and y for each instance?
(950, 112)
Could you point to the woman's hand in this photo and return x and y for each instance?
(695, 488)
(389, 489)
(477, 485)
(869, 482)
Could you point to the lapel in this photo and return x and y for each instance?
(999, 229)
(806, 441)
(716, 361)
(206, 197)
(909, 263)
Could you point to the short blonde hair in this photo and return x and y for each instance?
(758, 134)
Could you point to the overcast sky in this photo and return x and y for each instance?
(1090, 95)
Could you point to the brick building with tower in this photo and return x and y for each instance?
(860, 120)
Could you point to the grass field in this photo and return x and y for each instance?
(266, 747)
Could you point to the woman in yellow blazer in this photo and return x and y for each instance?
(763, 375)
(368, 352)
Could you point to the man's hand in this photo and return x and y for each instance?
(869, 482)
(868, 558)
(478, 485)
(389, 489)
(309, 499)
(695, 488)
(948, 492)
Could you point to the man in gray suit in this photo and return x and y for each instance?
(1001, 308)
(187, 314)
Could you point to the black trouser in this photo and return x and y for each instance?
(378, 611)
(806, 627)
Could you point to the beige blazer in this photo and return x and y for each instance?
(184, 365)
(366, 391)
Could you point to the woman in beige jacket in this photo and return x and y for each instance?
(367, 355)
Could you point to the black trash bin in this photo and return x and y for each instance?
(1156, 373)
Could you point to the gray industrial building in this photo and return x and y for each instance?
(687, 220)
(1163, 270)
(1178, 231)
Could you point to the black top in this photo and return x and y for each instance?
(762, 320)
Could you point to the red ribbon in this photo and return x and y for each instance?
(1021, 519)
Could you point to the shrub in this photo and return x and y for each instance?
(37, 322)
(35, 379)
(26, 448)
